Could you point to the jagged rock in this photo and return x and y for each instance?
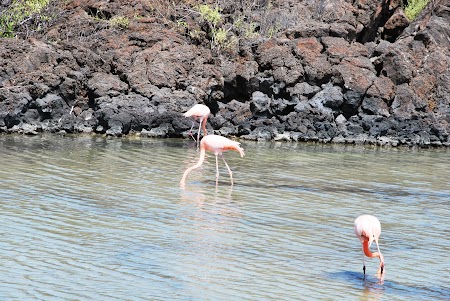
(38, 90)
(303, 89)
(102, 84)
(395, 25)
(403, 105)
(329, 75)
(340, 123)
(29, 129)
(308, 29)
(397, 65)
(332, 97)
(374, 106)
(246, 77)
(31, 116)
(339, 48)
(286, 68)
(281, 106)
(161, 131)
(51, 105)
(376, 125)
(259, 103)
(261, 134)
(317, 68)
(383, 88)
(282, 137)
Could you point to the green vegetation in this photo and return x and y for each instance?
(19, 12)
(220, 23)
(220, 38)
(212, 15)
(273, 29)
(120, 22)
(414, 7)
(223, 32)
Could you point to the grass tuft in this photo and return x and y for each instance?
(414, 7)
(120, 22)
(24, 17)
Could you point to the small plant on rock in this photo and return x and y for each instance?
(212, 15)
(221, 38)
(120, 22)
(25, 17)
(414, 7)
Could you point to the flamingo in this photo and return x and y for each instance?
(368, 228)
(216, 144)
(201, 113)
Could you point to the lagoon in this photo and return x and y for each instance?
(98, 218)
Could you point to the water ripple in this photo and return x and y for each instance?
(94, 218)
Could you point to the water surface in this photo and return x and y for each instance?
(93, 218)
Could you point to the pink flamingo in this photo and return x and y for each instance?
(216, 144)
(201, 113)
(368, 228)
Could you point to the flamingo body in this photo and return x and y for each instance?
(216, 144)
(368, 229)
(201, 113)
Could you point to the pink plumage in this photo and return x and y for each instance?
(216, 144)
(368, 229)
(200, 113)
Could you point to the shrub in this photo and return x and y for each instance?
(120, 22)
(220, 36)
(212, 15)
(222, 23)
(16, 13)
(25, 17)
(414, 7)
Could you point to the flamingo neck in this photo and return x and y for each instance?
(197, 165)
(367, 251)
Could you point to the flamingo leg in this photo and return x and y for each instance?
(198, 134)
(229, 170)
(381, 262)
(364, 263)
(217, 172)
(190, 131)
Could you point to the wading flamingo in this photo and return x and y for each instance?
(201, 113)
(216, 144)
(367, 228)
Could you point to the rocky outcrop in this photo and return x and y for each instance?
(342, 72)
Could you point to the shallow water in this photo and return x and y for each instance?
(90, 218)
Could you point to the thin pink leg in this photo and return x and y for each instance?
(229, 170)
(198, 134)
(190, 131)
(379, 252)
(217, 172)
(364, 264)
